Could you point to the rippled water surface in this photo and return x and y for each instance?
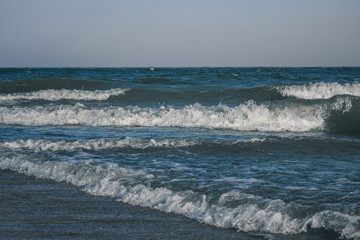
(262, 150)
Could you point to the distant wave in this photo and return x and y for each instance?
(320, 90)
(285, 116)
(206, 96)
(245, 212)
(55, 95)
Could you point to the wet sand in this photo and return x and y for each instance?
(32, 208)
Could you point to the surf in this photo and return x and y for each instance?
(294, 116)
(251, 213)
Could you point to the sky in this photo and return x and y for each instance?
(179, 33)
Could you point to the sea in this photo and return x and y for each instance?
(269, 152)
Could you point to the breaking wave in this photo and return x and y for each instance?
(293, 116)
(55, 95)
(319, 90)
(244, 212)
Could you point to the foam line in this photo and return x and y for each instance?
(55, 95)
(40, 145)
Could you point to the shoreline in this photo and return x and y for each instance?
(40, 208)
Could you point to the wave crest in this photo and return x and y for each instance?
(245, 117)
(290, 115)
(55, 95)
(319, 90)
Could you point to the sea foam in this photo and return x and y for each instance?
(40, 145)
(319, 90)
(245, 117)
(55, 95)
(253, 213)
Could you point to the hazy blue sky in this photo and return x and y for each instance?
(111, 33)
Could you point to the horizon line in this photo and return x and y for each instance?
(259, 66)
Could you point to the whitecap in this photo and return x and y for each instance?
(319, 90)
(55, 95)
(245, 117)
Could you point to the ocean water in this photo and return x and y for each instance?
(271, 152)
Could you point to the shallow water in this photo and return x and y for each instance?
(261, 150)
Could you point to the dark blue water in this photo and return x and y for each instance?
(262, 150)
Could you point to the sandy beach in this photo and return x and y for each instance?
(32, 208)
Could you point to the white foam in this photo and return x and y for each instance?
(252, 140)
(40, 145)
(245, 117)
(55, 95)
(129, 186)
(320, 90)
(348, 226)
